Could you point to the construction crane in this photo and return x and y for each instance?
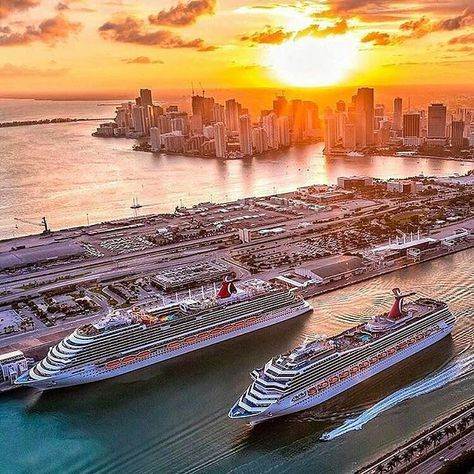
(43, 223)
(203, 91)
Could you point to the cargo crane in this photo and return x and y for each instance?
(43, 223)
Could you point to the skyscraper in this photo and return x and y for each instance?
(365, 117)
(457, 133)
(232, 115)
(437, 121)
(270, 125)
(245, 135)
(284, 130)
(220, 141)
(155, 139)
(397, 113)
(203, 106)
(145, 97)
(280, 106)
(411, 129)
(259, 140)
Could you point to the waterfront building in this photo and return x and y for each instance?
(397, 113)
(284, 130)
(404, 187)
(196, 124)
(232, 115)
(365, 117)
(457, 134)
(259, 140)
(437, 124)
(411, 129)
(354, 182)
(330, 137)
(12, 365)
(203, 106)
(245, 135)
(280, 106)
(208, 132)
(163, 122)
(173, 142)
(155, 139)
(220, 139)
(145, 97)
(311, 125)
(297, 121)
(218, 113)
(270, 125)
(349, 137)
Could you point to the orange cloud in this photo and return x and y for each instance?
(48, 31)
(339, 28)
(463, 39)
(269, 36)
(377, 38)
(7, 7)
(132, 30)
(142, 60)
(184, 14)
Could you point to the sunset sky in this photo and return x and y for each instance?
(106, 46)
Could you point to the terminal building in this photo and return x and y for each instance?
(354, 182)
(12, 365)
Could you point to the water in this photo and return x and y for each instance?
(172, 418)
(61, 172)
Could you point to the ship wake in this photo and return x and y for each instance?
(448, 374)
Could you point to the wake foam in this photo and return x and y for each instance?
(451, 372)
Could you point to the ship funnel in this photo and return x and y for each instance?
(227, 288)
(396, 311)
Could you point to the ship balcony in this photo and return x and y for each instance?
(245, 409)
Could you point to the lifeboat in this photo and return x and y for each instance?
(144, 354)
(391, 351)
(412, 340)
(190, 340)
(112, 364)
(322, 385)
(419, 337)
(373, 360)
(334, 379)
(354, 370)
(174, 345)
(383, 355)
(312, 391)
(344, 375)
(364, 364)
(128, 359)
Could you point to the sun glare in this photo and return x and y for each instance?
(312, 61)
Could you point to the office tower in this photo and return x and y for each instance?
(220, 140)
(203, 106)
(163, 122)
(280, 106)
(397, 113)
(178, 124)
(457, 133)
(349, 137)
(284, 130)
(340, 106)
(270, 125)
(245, 135)
(157, 111)
(297, 120)
(365, 117)
(232, 115)
(155, 139)
(379, 110)
(437, 121)
(330, 138)
(340, 118)
(196, 124)
(411, 129)
(139, 120)
(311, 122)
(218, 113)
(259, 140)
(145, 97)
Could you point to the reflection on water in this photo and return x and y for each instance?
(173, 417)
(60, 171)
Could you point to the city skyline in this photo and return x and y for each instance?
(46, 45)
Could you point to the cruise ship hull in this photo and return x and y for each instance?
(94, 373)
(293, 403)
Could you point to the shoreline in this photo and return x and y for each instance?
(27, 123)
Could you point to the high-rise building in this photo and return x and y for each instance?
(297, 120)
(145, 97)
(259, 140)
(284, 130)
(437, 121)
(196, 124)
(397, 113)
(311, 124)
(340, 106)
(457, 133)
(280, 106)
(155, 139)
(220, 140)
(245, 135)
(232, 115)
(365, 117)
(219, 113)
(411, 129)
(330, 138)
(270, 125)
(203, 106)
(349, 137)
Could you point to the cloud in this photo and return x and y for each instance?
(208, 48)
(183, 14)
(268, 36)
(48, 31)
(132, 30)
(10, 70)
(7, 7)
(142, 60)
(339, 28)
(463, 39)
(377, 38)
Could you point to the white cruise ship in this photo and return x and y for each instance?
(127, 341)
(317, 371)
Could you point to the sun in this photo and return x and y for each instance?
(308, 62)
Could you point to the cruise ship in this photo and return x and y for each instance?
(126, 341)
(325, 367)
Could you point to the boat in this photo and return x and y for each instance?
(126, 341)
(354, 154)
(326, 367)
